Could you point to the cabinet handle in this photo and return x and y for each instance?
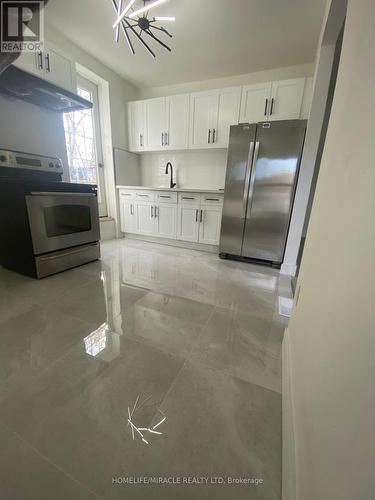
(143, 195)
(265, 108)
(166, 139)
(40, 60)
(48, 64)
(163, 196)
(209, 136)
(186, 198)
(212, 199)
(131, 210)
(156, 211)
(162, 139)
(214, 135)
(152, 211)
(201, 219)
(272, 102)
(141, 140)
(196, 215)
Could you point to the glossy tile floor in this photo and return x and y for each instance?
(200, 336)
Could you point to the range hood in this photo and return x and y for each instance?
(19, 84)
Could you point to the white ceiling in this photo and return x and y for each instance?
(212, 38)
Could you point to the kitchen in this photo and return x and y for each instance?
(158, 167)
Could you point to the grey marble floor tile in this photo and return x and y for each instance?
(81, 425)
(26, 475)
(31, 341)
(220, 426)
(43, 291)
(244, 345)
(199, 334)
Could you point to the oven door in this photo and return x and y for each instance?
(62, 220)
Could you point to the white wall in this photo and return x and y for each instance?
(321, 83)
(331, 334)
(194, 169)
(246, 79)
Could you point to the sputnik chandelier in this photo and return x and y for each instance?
(136, 21)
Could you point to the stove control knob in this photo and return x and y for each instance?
(3, 158)
(50, 165)
(58, 165)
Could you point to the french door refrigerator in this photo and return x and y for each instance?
(261, 178)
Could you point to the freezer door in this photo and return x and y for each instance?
(278, 150)
(240, 153)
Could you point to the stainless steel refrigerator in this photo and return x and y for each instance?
(261, 178)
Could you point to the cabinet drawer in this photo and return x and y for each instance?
(212, 199)
(166, 197)
(127, 195)
(189, 198)
(145, 195)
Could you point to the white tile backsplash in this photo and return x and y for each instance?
(191, 169)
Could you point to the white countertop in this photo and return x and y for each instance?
(180, 190)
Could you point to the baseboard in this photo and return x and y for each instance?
(288, 269)
(289, 450)
(174, 243)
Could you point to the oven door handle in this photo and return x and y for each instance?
(59, 193)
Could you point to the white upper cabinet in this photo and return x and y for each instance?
(286, 99)
(227, 112)
(59, 68)
(211, 115)
(155, 123)
(136, 121)
(255, 102)
(52, 64)
(202, 118)
(177, 134)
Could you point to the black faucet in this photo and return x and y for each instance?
(171, 184)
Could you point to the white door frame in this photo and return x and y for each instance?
(107, 144)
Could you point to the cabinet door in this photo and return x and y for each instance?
(136, 120)
(255, 102)
(128, 216)
(155, 121)
(59, 69)
(188, 223)
(286, 99)
(31, 62)
(203, 106)
(146, 218)
(178, 121)
(227, 114)
(166, 220)
(210, 225)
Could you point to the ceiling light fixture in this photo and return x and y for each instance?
(164, 18)
(140, 26)
(146, 8)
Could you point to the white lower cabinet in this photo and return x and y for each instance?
(129, 221)
(146, 219)
(210, 225)
(193, 217)
(188, 223)
(166, 220)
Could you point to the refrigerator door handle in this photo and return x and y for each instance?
(247, 179)
(252, 178)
